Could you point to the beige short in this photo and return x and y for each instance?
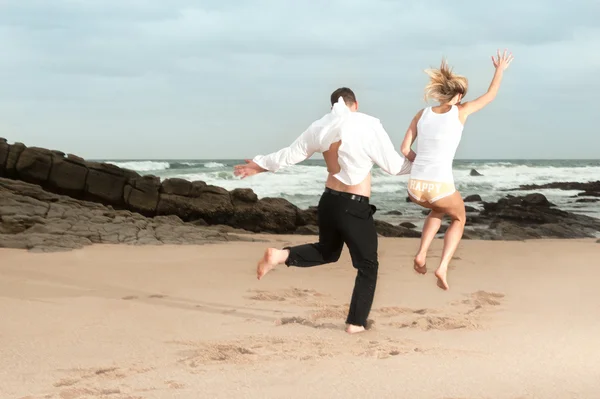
(429, 191)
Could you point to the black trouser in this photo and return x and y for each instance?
(344, 220)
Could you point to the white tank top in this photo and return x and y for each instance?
(438, 136)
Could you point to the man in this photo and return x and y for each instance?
(350, 142)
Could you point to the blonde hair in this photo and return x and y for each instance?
(444, 84)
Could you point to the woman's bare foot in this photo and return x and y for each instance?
(271, 258)
(441, 279)
(352, 329)
(420, 264)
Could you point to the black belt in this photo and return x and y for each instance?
(353, 197)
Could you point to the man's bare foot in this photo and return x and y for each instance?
(352, 329)
(271, 258)
(420, 264)
(441, 279)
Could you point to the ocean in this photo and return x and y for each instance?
(302, 184)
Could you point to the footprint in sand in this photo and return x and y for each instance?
(157, 296)
(298, 296)
(129, 298)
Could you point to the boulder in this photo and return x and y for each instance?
(587, 200)
(308, 216)
(141, 194)
(470, 209)
(14, 152)
(34, 164)
(273, 215)
(106, 183)
(212, 204)
(393, 213)
(475, 173)
(408, 225)
(4, 148)
(389, 230)
(176, 186)
(243, 196)
(67, 176)
(473, 198)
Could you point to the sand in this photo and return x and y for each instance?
(520, 321)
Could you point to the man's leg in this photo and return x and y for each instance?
(327, 250)
(361, 238)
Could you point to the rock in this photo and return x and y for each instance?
(470, 209)
(533, 216)
(598, 241)
(176, 186)
(393, 213)
(443, 229)
(244, 195)
(106, 183)
(273, 215)
(141, 194)
(408, 199)
(14, 152)
(426, 212)
(587, 200)
(34, 164)
(308, 216)
(408, 225)
(309, 230)
(4, 148)
(213, 208)
(473, 198)
(389, 230)
(593, 186)
(475, 173)
(31, 218)
(67, 176)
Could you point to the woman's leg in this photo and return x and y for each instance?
(430, 229)
(454, 207)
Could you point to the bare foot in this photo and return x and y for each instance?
(352, 329)
(271, 258)
(420, 264)
(441, 279)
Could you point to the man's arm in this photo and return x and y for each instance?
(381, 151)
(302, 148)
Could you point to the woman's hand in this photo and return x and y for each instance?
(503, 61)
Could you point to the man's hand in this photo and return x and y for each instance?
(249, 169)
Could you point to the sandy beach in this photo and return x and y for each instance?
(520, 321)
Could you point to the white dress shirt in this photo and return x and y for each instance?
(364, 142)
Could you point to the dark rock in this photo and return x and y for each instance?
(273, 215)
(4, 148)
(587, 200)
(105, 185)
(176, 186)
(426, 212)
(244, 195)
(213, 208)
(14, 152)
(393, 213)
(33, 165)
(141, 194)
(309, 230)
(536, 200)
(31, 218)
(199, 222)
(76, 159)
(67, 177)
(470, 209)
(475, 173)
(473, 198)
(593, 186)
(197, 188)
(408, 199)
(389, 230)
(443, 229)
(408, 225)
(308, 216)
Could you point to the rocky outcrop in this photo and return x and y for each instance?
(474, 173)
(32, 218)
(593, 186)
(527, 217)
(195, 202)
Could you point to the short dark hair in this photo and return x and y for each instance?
(346, 94)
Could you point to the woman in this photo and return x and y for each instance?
(439, 130)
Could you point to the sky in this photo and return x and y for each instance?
(215, 79)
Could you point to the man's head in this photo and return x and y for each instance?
(347, 95)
